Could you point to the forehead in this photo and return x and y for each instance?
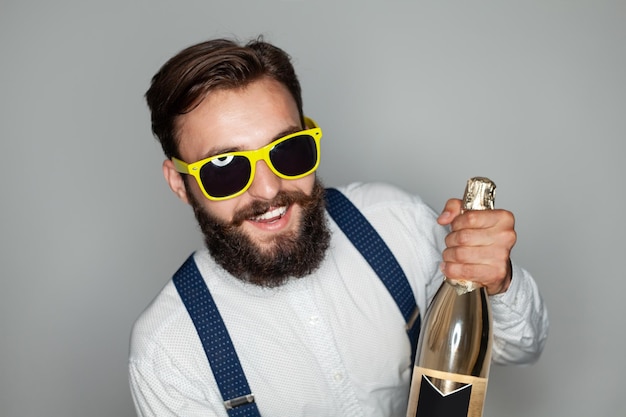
(242, 118)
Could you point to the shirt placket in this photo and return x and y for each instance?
(324, 346)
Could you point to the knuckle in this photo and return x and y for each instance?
(467, 271)
(464, 236)
(507, 240)
(499, 274)
(502, 256)
(472, 217)
(461, 254)
(446, 255)
(512, 237)
(450, 239)
(510, 216)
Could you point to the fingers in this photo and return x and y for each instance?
(473, 218)
(483, 228)
(479, 247)
(493, 272)
(493, 279)
(483, 219)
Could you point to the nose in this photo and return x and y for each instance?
(265, 184)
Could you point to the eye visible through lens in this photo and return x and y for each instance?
(222, 161)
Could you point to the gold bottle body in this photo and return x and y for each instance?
(454, 348)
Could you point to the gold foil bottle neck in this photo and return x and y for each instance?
(480, 194)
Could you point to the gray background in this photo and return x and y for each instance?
(423, 94)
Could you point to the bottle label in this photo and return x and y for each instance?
(428, 399)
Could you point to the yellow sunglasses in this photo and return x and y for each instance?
(230, 174)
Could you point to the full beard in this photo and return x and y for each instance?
(293, 254)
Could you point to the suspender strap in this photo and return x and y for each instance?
(219, 349)
(369, 243)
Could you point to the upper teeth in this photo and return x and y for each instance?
(277, 212)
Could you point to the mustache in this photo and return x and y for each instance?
(283, 198)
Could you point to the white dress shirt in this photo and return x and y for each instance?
(328, 345)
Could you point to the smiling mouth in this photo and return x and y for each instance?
(271, 215)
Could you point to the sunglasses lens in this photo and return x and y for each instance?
(295, 156)
(222, 177)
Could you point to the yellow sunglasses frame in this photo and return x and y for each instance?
(261, 154)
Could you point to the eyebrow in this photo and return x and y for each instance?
(219, 151)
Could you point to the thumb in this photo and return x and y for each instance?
(450, 211)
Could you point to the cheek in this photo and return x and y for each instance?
(221, 210)
(305, 184)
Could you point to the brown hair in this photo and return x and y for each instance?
(184, 80)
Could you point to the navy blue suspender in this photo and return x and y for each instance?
(369, 243)
(219, 349)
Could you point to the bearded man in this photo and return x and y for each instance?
(315, 330)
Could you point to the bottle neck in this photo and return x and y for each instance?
(462, 286)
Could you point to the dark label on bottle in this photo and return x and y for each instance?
(432, 402)
(443, 394)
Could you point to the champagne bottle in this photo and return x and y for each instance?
(454, 348)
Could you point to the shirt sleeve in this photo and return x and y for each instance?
(520, 321)
(159, 388)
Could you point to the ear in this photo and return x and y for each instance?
(175, 180)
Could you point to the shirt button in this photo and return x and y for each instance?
(313, 320)
(338, 376)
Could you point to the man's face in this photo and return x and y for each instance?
(273, 220)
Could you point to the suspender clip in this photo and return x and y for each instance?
(239, 401)
(414, 315)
